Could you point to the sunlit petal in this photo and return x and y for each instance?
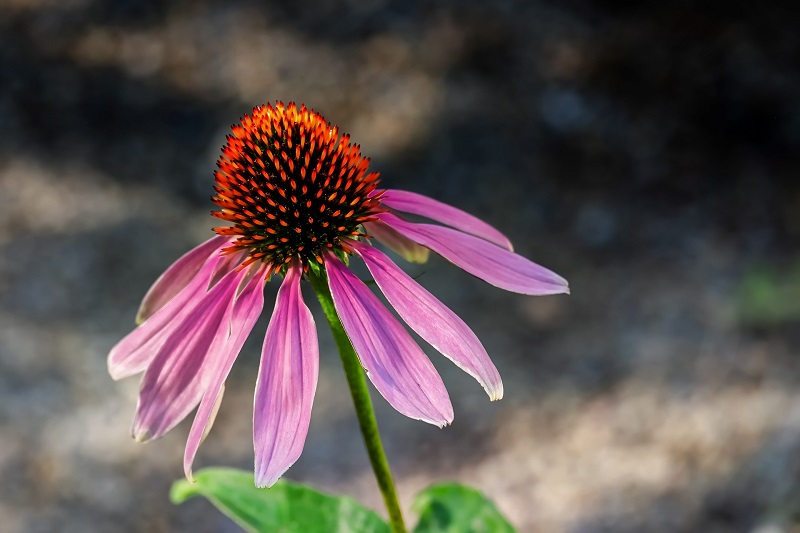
(432, 320)
(395, 364)
(287, 380)
(482, 259)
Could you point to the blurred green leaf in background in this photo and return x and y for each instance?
(769, 297)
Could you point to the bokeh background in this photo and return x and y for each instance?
(647, 151)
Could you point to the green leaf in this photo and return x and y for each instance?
(284, 508)
(769, 296)
(454, 508)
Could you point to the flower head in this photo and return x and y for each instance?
(301, 200)
(292, 187)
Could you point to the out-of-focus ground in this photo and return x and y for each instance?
(646, 151)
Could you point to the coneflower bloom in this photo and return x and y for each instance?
(301, 200)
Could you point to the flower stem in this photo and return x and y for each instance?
(363, 405)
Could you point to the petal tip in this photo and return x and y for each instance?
(189, 475)
(141, 436)
(419, 257)
(564, 284)
(557, 286)
(446, 419)
(266, 482)
(116, 371)
(496, 394)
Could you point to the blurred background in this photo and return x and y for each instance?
(646, 151)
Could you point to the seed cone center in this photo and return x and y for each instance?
(292, 186)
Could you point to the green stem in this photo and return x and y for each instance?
(364, 411)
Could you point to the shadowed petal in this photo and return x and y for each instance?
(418, 204)
(177, 276)
(408, 249)
(241, 316)
(397, 367)
(175, 380)
(494, 265)
(134, 352)
(287, 381)
(432, 320)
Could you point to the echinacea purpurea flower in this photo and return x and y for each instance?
(301, 201)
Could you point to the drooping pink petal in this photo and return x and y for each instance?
(395, 364)
(241, 316)
(287, 381)
(134, 352)
(432, 320)
(212, 416)
(177, 276)
(418, 204)
(408, 249)
(492, 264)
(176, 378)
(228, 262)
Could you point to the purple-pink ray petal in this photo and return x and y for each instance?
(176, 378)
(490, 263)
(177, 276)
(228, 262)
(241, 316)
(418, 204)
(408, 249)
(287, 381)
(432, 320)
(209, 423)
(395, 364)
(134, 352)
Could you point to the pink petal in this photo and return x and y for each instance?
(241, 316)
(177, 276)
(397, 367)
(411, 202)
(134, 352)
(432, 320)
(494, 265)
(287, 380)
(227, 262)
(408, 249)
(209, 422)
(175, 380)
